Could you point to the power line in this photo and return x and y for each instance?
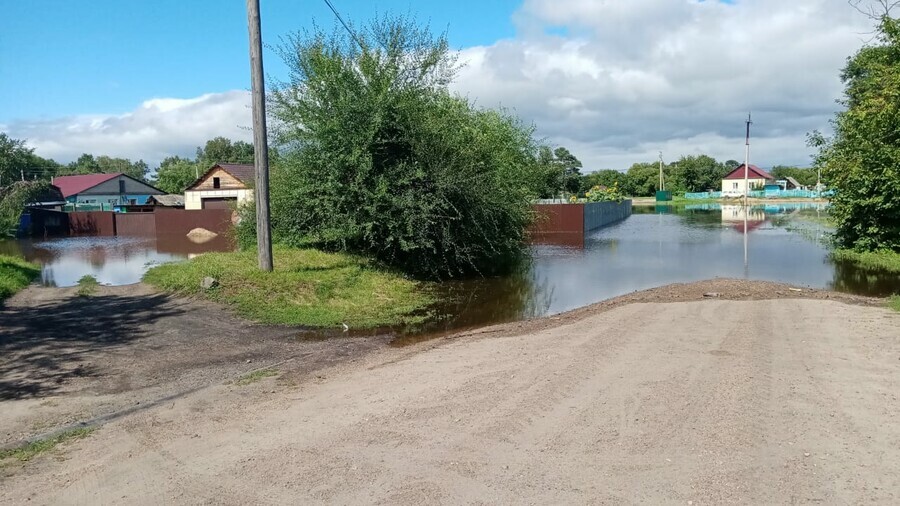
(346, 26)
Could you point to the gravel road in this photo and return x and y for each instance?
(698, 402)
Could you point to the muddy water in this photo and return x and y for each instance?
(662, 245)
(112, 260)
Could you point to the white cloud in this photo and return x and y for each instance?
(628, 78)
(160, 127)
(614, 80)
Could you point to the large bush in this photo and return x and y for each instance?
(862, 161)
(379, 158)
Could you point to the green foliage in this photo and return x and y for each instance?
(222, 150)
(695, 174)
(15, 274)
(383, 161)
(604, 194)
(88, 164)
(879, 260)
(175, 174)
(13, 199)
(894, 302)
(804, 176)
(605, 177)
(642, 179)
(33, 449)
(862, 161)
(18, 160)
(87, 286)
(307, 287)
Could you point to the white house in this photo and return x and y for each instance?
(733, 183)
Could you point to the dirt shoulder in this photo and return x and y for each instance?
(774, 399)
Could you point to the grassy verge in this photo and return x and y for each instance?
(15, 274)
(87, 286)
(35, 448)
(894, 302)
(307, 287)
(255, 376)
(870, 260)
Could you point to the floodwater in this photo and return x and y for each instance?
(659, 245)
(112, 260)
(655, 246)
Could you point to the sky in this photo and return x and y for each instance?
(615, 81)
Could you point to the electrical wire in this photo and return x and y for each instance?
(346, 26)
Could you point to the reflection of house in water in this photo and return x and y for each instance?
(734, 216)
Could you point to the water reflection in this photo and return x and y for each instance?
(666, 244)
(112, 260)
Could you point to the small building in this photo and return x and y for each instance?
(733, 183)
(173, 201)
(793, 184)
(104, 190)
(222, 186)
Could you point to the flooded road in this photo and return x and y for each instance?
(661, 245)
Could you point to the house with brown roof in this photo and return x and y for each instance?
(223, 186)
(733, 183)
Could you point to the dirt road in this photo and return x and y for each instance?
(701, 402)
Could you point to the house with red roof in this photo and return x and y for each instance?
(733, 183)
(105, 190)
(223, 186)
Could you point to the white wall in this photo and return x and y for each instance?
(736, 186)
(194, 199)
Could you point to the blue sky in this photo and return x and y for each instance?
(615, 81)
(64, 57)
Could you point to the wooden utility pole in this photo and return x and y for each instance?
(747, 163)
(260, 139)
(662, 180)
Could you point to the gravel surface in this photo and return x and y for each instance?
(787, 397)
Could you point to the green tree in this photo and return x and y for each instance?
(607, 178)
(175, 174)
(88, 164)
(642, 179)
(222, 150)
(862, 161)
(571, 169)
(695, 174)
(382, 160)
(804, 176)
(18, 161)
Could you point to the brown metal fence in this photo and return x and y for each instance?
(182, 221)
(135, 224)
(102, 223)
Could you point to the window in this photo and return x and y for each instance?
(217, 183)
(121, 186)
(734, 186)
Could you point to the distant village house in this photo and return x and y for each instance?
(733, 183)
(221, 187)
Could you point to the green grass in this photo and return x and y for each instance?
(15, 274)
(894, 302)
(883, 260)
(255, 376)
(87, 286)
(35, 448)
(307, 287)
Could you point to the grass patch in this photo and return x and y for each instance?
(893, 302)
(35, 448)
(255, 376)
(883, 260)
(308, 287)
(87, 286)
(15, 274)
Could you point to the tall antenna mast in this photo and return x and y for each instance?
(747, 162)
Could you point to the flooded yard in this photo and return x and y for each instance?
(114, 260)
(657, 245)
